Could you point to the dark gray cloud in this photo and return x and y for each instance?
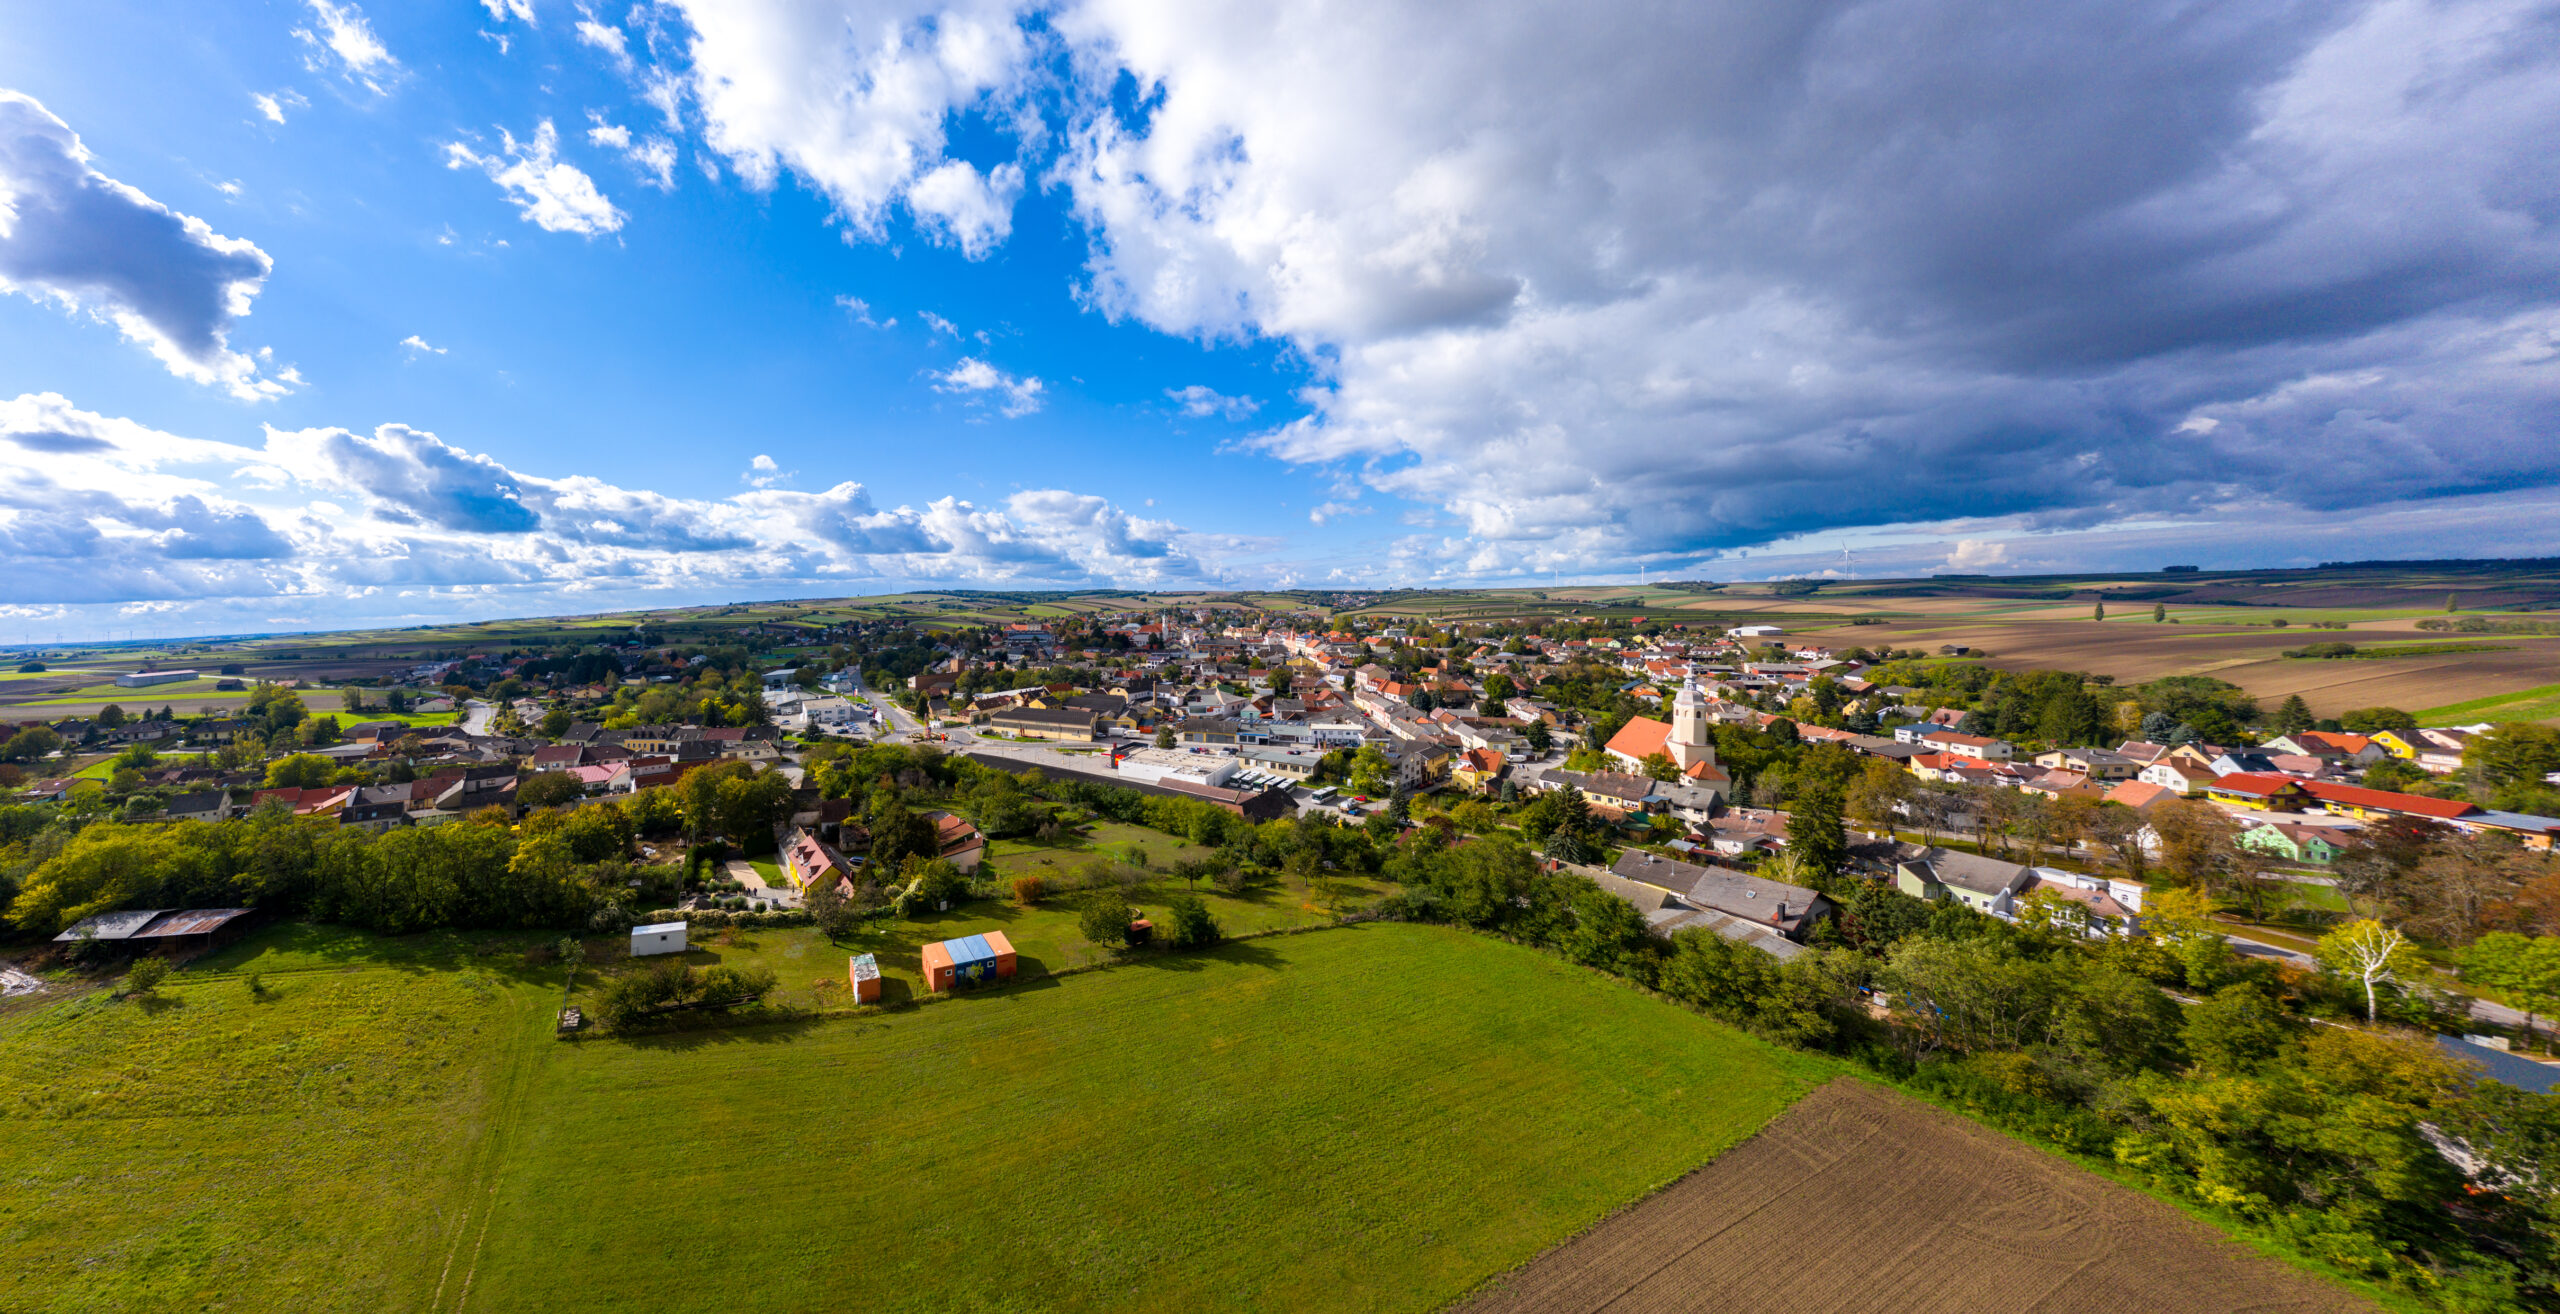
(71, 233)
(1666, 277)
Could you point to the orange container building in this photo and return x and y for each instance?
(863, 973)
(948, 963)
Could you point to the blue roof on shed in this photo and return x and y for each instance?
(970, 949)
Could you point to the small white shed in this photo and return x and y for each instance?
(663, 938)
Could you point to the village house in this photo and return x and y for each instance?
(1986, 885)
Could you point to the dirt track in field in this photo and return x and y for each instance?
(1859, 1199)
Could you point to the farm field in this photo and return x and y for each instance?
(311, 1148)
(2134, 651)
(1865, 1192)
(1369, 1118)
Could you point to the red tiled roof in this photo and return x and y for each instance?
(2357, 796)
(1641, 738)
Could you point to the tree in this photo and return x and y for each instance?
(299, 771)
(30, 743)
(2235, 1029)
(2524, 968)
(549, 789)
(1540, 742)
(2371, 953)
(1659, 766)
(2159, 612)
(1193, 927)
(2098, 612)
(1816, 833)
(1164, 735)
(2293, 716)
(898, 833)
(2514, 752)
(353, 700)
(2453, 602)
(1105, 919)
(831, 908)
(111, 716)
(2375, 720)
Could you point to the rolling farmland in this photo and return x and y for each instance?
(1860, 1199)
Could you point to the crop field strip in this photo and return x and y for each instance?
(1860, 1199)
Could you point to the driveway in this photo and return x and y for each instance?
(745, 874)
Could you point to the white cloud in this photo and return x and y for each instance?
(938, 324)
(345, 36)
(272, 108)
(860, 310)
(854, 96)
(974, 376)
(502, 10)
(1975, 554)
(654, 157)
(1201, 402)
(418, 346)
(79, 239)
(610, 40)
(1325, 512)
(101, 512)
(554, 195)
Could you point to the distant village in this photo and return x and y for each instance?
(1671, 758)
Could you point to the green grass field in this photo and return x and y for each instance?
(311, 1148)
(1375, 1117)
(1369, 1118)
(2536, 704)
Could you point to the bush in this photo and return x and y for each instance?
(1029, 890)
(146, 974)
(1193, 927)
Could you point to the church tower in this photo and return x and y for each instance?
(1692, 740)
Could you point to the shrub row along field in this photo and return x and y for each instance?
(1860, 1199)
(1373, 1117)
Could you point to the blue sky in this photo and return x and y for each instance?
(331, 314)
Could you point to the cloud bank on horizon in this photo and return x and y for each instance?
(1576, 289)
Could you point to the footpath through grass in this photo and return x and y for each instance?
(1370, 1118)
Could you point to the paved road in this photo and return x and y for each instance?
(476, 716)
(2482, 1009)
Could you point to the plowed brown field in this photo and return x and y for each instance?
(1860, 1199)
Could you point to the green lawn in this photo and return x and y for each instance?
(1045, 938)
(1370, 1118)
(312, 1149)
(1373, 1117)
(1117, 841)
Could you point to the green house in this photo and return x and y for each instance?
(2308, 845)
